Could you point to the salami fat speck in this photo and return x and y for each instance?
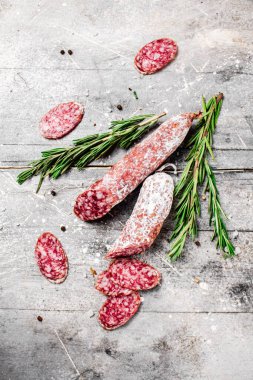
(155, 55)
(51, 258)
(151, 209)
(116, 311)
(60, 120)
(134, 274)
(108, 287)
(143, 159)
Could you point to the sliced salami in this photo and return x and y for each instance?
(108, 287)
(61, 120)
(151, 209)
(116, 311)
(155, 55)
(51, 258)
(143, 159)
(134, 274)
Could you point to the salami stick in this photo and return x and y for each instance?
(151, 209)
(123, 177)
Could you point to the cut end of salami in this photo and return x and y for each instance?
(116, 311)
(134, 274)
(108, 287)
(61, 120)
(51, 258)
(155, 55)
(125, 250)
(92, 204)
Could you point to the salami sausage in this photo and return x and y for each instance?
(155, 55)
(134, 274)
(116, 311)
(151, 209)
(51, 258)
(60, 120)
(108, 287)
(143, 159)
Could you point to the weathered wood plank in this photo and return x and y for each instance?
(180, 346)
(19, 155)
(233, 133)
(210, 37)
(25, 215)
(43, 209)
(225, 285)
(48, 89)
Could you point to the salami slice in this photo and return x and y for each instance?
(151, 209)
(108, 287)
(51, 258)
(116, 311)
(155, 55)
(134, 274)
(143, 159)
(61, 120)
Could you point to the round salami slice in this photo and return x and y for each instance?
(155, 55)
(134, 274)
(116, 311)
(51, 258)
(108, 287)
(61, 120)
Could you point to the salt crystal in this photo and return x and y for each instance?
(237, 250)
(203, 285)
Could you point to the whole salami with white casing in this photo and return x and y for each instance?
(150, 211)
(142, 160)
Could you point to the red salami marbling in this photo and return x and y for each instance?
(123, 177)
(134, 274)
(108, 287)
(51, 258)
(61, 120)
(155, 55)
(151, 209)
(116, 311)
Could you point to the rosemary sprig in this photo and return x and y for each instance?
(216, 215)
(196, 171)
(57, 161)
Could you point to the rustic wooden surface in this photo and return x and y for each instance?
(184, 330)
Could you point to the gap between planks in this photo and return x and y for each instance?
(120, 69)
(143, 311)
(229, 170)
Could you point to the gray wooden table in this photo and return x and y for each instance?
(184, 330)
